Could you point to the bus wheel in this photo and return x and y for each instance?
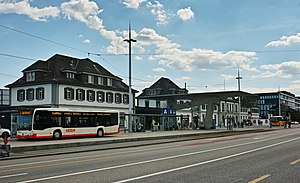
(100, 133)
(57, 134)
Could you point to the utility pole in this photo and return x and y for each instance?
(239, 89)
(239, 80)
(279, 103)
(129, 40)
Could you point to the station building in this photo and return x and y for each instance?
(190, 110)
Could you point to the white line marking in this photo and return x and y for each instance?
(14, 175)
(155, 160)
(82, 157)
(205, 162)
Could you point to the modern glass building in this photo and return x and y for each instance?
(276, 103)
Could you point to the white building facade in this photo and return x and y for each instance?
(67, 82)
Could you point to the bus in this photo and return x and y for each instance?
(277, 121)
(57, 123)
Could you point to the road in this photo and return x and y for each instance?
(261, 157)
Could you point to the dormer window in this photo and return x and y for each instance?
(100, 80)
(70, 75)
(90, 79)
(109, 82)
(30, 76)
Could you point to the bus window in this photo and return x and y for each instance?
(67, 121)
(40, 122)
(55, 121)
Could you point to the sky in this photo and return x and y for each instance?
(200, 44)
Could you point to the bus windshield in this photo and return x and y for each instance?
(24, 122)
(275, 119)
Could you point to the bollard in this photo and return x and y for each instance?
(5, 140)
(6, 147)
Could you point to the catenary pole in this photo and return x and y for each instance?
(129, 41)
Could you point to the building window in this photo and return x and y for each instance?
(109, 82)
(69, 93)
(21, 95)
(100, 80)
(80, 94)
(100, 96)
(90, 79)
(158, 103)
(147, 103)
(30, 76)
(70, 75)
(90, 95)
(40, 93)
(30, 94)
(125, 99)
(109, 97)
(118, 98)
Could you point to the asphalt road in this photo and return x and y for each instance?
(261, 157)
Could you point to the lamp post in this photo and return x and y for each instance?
(129, 40)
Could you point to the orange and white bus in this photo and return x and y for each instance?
(57, 123)
(277, 121)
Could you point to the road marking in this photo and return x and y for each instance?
(14, 175)
(111, 155)
(260, 178)
(296, 161)
(5, 167)
(155, 160)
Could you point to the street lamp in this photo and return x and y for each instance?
(129, 40)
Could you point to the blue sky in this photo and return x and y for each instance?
(198, 42)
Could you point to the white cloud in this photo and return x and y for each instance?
(24, 8)
(294, 86)
(83, 11)
(86, 41)
(285, 41)
(133, 3)
(137, 58)
(183, 78)
(167, 53)
(285, 69)
(185, 14)
(170, 55)
(227, 77)
(201, 59)
(157, 9)
(159, 69)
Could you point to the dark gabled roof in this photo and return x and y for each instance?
(165, 85)
(55, 67)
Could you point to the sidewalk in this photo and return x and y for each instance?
(31, 148)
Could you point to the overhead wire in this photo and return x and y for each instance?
(106, 54)
(31, 59)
